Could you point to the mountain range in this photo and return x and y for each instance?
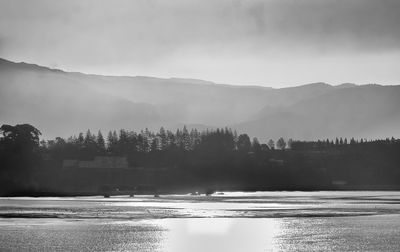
(63, 103)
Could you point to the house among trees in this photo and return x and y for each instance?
(99, 162)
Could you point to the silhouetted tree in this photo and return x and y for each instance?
(244, 143)
(255, 145)
(155, 145)
(163, 139)
(101, 145)
(81, 140)
(271, 144)
(281, 144)
(19, 153)
(22, 134)
(185, 139)
(112, 141)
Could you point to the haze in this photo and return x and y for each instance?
(273, 43)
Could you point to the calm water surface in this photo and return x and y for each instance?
(262, 221)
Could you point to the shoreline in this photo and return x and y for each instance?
(38, 194)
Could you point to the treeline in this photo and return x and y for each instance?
(128, 142)
(188, 159)
(338, 142)
(125, 142)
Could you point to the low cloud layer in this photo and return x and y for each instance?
(274, 43)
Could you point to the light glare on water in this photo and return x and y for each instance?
(263, 221)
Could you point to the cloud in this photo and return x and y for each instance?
(361, 24)
(145, 34)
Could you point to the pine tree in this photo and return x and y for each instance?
(163, 139)
(101, 145)
(112, 141)
(185, 139)
(155, 145)
(90, 139)
(255, 145)
(171, 139)
(81, 140)
(178, 138)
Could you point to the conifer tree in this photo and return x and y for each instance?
(101, 146)
(163, 139)
(255, 145)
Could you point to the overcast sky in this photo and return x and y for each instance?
(272, 42)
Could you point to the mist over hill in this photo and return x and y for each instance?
(63, 103)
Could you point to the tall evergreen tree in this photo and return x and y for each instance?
(155, 145)
(112, 141)
(185, 139)
(81, 140)
(163, 139)
(101, 145)
(255, 145)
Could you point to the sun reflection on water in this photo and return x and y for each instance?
(262, 221)
(221, 234)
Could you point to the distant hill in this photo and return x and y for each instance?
(369, 111)
(64, 103)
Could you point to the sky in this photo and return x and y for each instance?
(275, 43)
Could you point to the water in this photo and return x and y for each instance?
(262, 221)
